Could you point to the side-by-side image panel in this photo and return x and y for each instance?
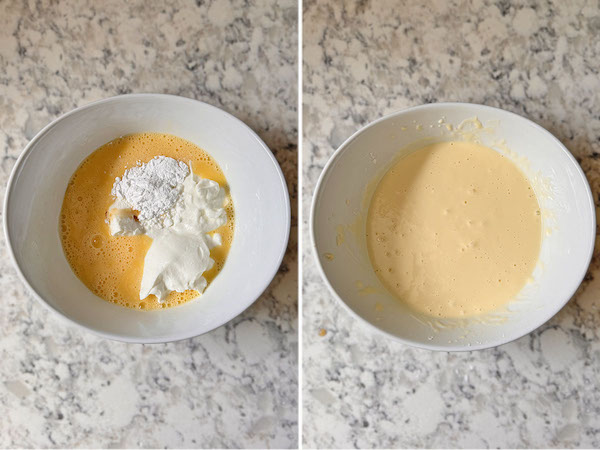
(448, 225)
(149, 286)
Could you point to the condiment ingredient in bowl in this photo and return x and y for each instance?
(147, 221)
(177, 209)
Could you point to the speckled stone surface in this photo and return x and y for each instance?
(365, 59)
(234, 387)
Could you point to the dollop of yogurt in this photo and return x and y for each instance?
(179, 221)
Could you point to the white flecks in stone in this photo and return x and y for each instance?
(537, 87)
(253, 341)
(525, 22)
(557, 349)
(116, 402)
(424, 408)
(17, 388)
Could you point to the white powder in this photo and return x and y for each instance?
(152, 189)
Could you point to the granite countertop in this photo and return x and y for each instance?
(234, 387)
(366, 59)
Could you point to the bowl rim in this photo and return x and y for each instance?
(451, 348)
(113, 336)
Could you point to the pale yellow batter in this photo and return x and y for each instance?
(454, 230)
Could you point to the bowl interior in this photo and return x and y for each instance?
(39, 181)
(343, 196)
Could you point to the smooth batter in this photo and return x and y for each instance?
(112, 266)
(454, 230)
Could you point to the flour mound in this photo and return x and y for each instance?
(152, 189)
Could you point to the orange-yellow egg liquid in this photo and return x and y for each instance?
(112, 266)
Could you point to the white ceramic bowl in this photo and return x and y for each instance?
(343, 195)
(37, 186)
